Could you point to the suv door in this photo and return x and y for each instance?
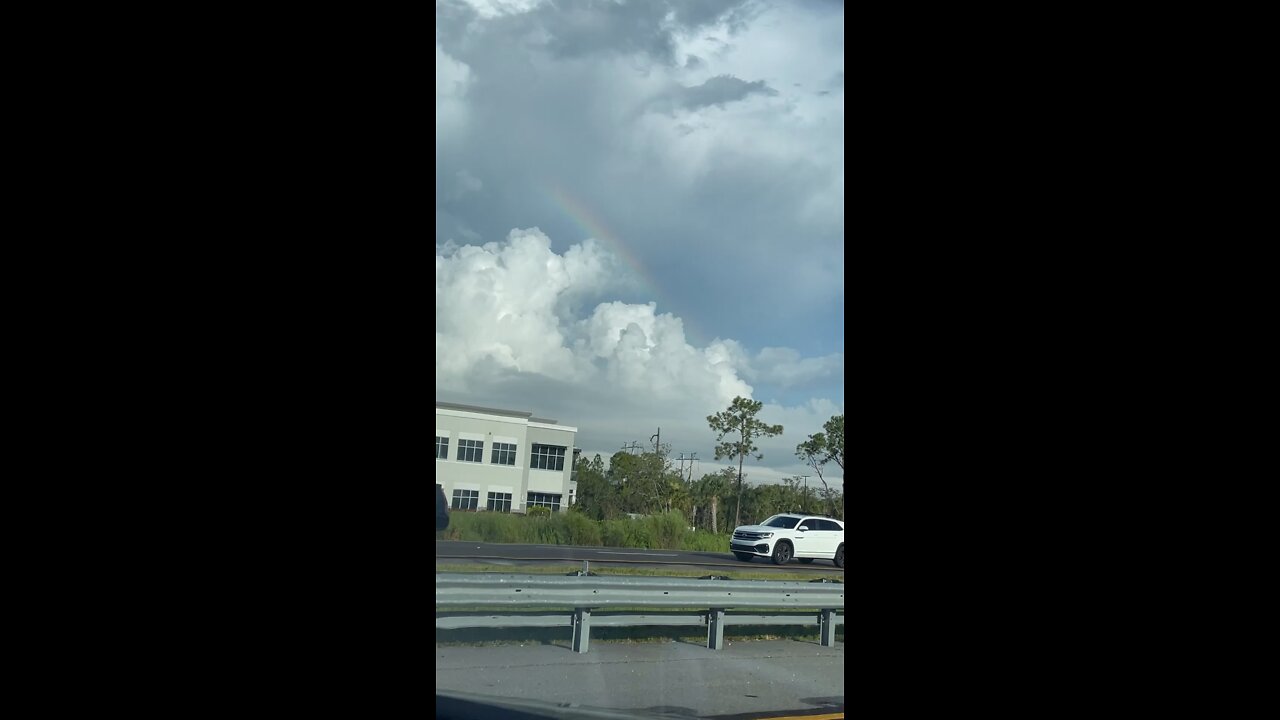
(835, 535)
(812, 542)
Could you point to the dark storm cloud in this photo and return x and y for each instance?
(591, 27)
(717, 91)
(723, 195)
(452, 17)
(582, 27)
(579, 28)
(539, 122)
(694, 14)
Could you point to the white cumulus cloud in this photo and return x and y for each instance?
(513, 329)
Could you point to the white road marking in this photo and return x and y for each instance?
(610, 552)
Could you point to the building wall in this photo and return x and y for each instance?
(485, 476)
(552, 481)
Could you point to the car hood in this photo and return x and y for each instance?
(758, 528)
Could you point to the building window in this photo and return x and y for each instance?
(465, 499)
(543, 499)
(442, 448)
(500, 502)
(504, 453)
(547, 457)
(471, 450)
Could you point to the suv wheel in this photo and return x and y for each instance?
(744, 557)
(838, 560)
(781, 553)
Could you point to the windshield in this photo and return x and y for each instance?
(781, 521)
(639, 348)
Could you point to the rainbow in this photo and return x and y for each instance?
(591, 226)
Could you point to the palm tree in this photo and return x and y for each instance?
(708, 490)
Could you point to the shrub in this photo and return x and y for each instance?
(704, 541)
(636, 534)
(543, 529)
(538, 511)
(580, 530)
(541, 526)
(614, 532)
(499, 527)
(487, 527)
(667, 531)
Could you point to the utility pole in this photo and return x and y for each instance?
(692, 457)
(632, 447)
(804, 501)
(657, 479)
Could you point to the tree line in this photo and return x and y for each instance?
(649, 483)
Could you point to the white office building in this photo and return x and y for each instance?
(493, 460)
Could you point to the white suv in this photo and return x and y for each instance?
(782, 537)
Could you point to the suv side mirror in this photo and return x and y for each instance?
(803, 528)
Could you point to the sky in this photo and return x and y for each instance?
(640, 216)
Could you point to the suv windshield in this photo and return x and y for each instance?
(781, 521)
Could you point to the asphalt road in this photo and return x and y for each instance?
(518, 554)
(769, 677)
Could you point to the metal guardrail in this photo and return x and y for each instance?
(584, 593)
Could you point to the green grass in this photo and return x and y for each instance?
(657, 532)
(633, 571)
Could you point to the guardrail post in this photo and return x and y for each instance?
(581, 629)
(582, 594)
(715, 629)
(827, 625)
